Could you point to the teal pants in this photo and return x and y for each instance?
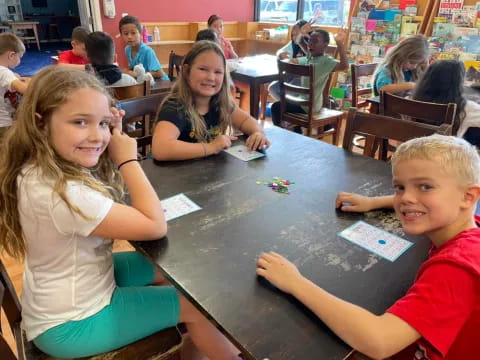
(136, 311)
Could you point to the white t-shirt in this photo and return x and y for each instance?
(68, 274)
(6, 110)
(472, 118)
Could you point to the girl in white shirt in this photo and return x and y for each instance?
(60, 206)
(443, 83)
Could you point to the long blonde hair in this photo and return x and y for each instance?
(28, 142)
(182, 93)
(412, 49)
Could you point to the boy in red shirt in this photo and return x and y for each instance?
(436, 181)
(77, 57)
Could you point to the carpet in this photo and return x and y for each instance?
(33, 60)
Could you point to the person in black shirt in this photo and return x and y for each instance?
(198, 116)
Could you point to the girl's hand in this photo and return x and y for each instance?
(341, 37)
(307, 28)
(358, 203)
(117, 115)
(284, 55)
(221, 142)
(278, 270)
(121, 147)
(257, 140)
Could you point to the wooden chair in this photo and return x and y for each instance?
(419, 111)
(386, 127)
(290, 93)
(131, 91)
(357, 71)
(357, 101)
(163, 345)
(424, 112)
(144, 108)
(174, 63)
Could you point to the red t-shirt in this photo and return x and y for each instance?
(443, 304)
(226, 45)
(68, 57)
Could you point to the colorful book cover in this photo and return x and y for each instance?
(409, 25)
(411, 10)
(466, 31)
(477, 9)
(446, 30)
(465, 17)
(448, 6)
(358, 25)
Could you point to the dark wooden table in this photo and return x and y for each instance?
(210, 254)
(161, 86)
(255, 71)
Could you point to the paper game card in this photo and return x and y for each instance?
(178, 205)
(243, 153)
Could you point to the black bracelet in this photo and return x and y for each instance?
(125, 162)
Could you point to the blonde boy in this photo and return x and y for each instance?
(77, 57)
(436, 181)
(11, 52)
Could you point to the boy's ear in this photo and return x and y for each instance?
(471, 195)
(73, 43)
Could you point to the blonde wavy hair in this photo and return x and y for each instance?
(455, 155)
(411, 49)
(182, 93)
(28, 143)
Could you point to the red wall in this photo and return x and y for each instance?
(175, 10)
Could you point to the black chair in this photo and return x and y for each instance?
(143, 110)
(174, 63)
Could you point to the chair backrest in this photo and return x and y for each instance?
(174, 63)
(358, 71)
(10, 304)
(386, 127)
(131, 91)
(425, 112)
(290, 93)
(144, 109)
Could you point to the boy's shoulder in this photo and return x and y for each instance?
(463, 251)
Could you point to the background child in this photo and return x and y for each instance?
(136, 51)
(101, 52)
(402, 66)
(443, 83)
(77, 57)
(436, 182)
(215, 23)
(59, 207)
(324, 65)
(291, 50)
(11, 52)
(194, 119)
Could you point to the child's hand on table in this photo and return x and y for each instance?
(279, 271)
(257, 141)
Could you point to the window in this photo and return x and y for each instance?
(326, 12)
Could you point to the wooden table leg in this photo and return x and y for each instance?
(36, 36)
(254, 99)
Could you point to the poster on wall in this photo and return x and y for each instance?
(448, 7)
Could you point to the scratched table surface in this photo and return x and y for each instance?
(210, 254)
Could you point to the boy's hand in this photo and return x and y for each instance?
(117, 115)
(221, 142)
(122, 147)
(278, 270)
(284, 55)
(341, 37)
(358, 203)
(257, 140)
